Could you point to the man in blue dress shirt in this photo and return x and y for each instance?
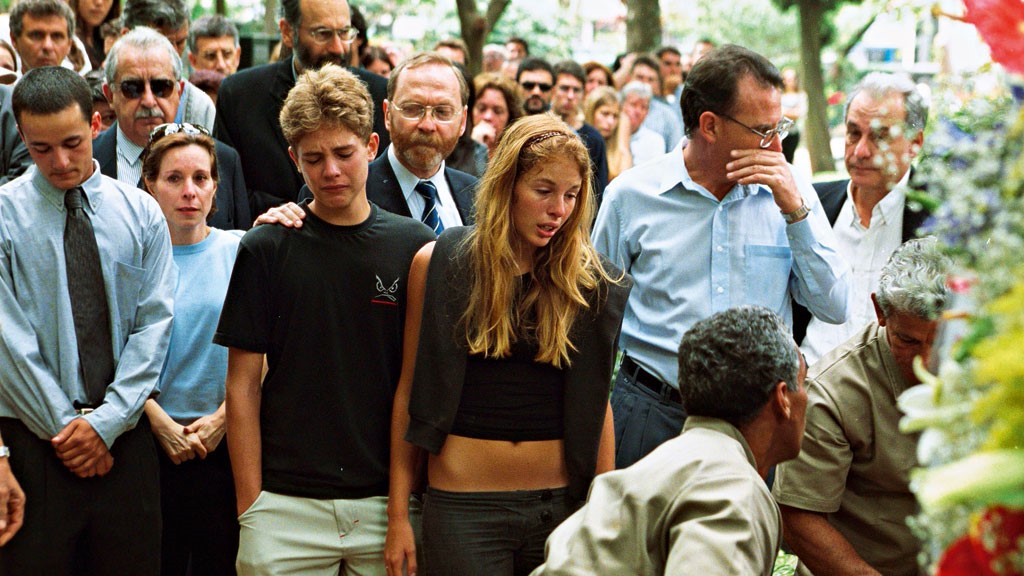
(727, 224)
(74, 245)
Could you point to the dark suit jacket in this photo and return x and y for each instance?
(232, 199)
(833, 196)
(382, 189)
(594, 142)
(14, 157)
(248, 105)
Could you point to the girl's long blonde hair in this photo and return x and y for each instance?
(606, 96)
(564, 271)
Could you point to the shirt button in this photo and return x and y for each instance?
(720, 290)
(719, 248)
(720, 208)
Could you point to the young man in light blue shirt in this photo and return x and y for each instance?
(86, 287)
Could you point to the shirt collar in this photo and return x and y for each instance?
(889, 207)
(92, 186)
(126, 148)
(406, 179)
(678, 174)
(722, 427)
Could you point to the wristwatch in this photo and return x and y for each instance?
(796, 215)
(5, 452)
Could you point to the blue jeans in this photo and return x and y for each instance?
(643, 420)
(489, 533)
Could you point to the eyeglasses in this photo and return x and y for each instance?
(529, 86)
(134, 88)
(347, 34)
(174, 128)
(781, 130)
(443, 113)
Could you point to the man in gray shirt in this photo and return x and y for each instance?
(86, 286)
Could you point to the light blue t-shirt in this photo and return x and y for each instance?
(192, 382)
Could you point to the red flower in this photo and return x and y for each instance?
(995, 540)
(1001, 25)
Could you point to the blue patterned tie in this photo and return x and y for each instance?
(88, 299)
(430, 216)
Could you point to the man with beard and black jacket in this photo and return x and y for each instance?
(248, 103)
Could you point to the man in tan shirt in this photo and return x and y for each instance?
(845, 500)
(698, 503)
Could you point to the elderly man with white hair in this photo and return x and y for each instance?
(869, 212)
(846, 499)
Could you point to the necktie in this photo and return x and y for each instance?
(88, 299)
(430, 216)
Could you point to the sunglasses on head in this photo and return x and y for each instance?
(174, 128)
(134, 88)
(544, 87)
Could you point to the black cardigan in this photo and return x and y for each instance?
(441, 361)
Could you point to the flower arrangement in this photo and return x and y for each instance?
(971, 413)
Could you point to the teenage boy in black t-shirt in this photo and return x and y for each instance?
(326, 304)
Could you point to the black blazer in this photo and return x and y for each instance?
(248, 105)
(833, 196)
(14, 156)
(232, 200)
(382, 189)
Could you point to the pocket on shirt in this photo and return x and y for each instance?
(127, 287)
(766, 273)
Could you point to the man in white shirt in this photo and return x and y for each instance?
(885, 120)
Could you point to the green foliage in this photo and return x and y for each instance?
(755, 24)
(548, 33)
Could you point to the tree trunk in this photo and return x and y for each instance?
(643, 25)
(221, 7)
(475, 28)
(270, 17)
(816, 128)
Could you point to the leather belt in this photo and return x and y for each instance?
(650, 381)
(83, 409)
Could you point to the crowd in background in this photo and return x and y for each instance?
(472, 313)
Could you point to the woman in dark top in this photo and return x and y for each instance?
(90, 15)
(509, 343)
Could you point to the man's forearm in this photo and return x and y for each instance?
(821, 547)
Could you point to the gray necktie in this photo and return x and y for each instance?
(430, 216)
(88, 299)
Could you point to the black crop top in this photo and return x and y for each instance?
(514, 398)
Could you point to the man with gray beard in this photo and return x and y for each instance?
(249, 101)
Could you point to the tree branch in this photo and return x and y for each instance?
(850, 44)
(495, 8)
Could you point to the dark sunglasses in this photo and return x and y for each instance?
(173, 128)
(134, 89)
(544, 87)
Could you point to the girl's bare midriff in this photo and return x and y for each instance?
(474, 465)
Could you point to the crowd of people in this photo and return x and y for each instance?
(553, 319)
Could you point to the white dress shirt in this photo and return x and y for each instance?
(446, 207)
(866, 250)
